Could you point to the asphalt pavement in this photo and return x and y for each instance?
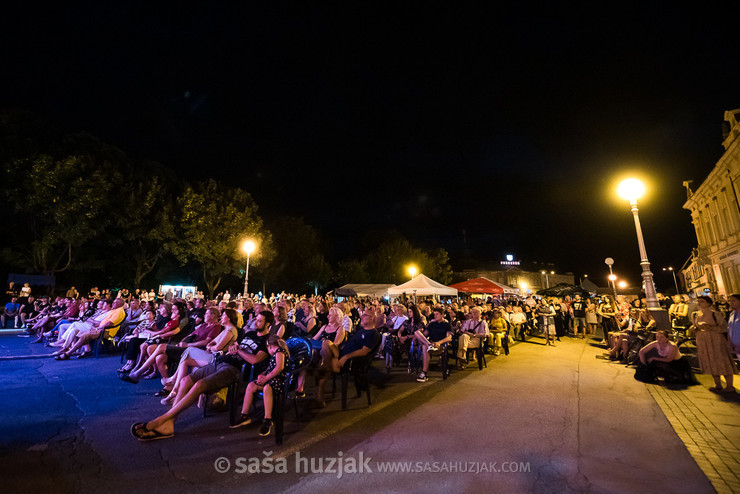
(543, 419)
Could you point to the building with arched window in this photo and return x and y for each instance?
(714, 265)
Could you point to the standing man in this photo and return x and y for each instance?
(733, 324)
(578, 313)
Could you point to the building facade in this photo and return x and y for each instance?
(714, 265)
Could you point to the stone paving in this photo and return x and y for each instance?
(709, 426)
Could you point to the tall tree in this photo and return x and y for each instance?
(145, 222)
(62, 204)
(214, 221)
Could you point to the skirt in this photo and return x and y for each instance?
(713, 353)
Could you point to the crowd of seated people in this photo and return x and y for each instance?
(198, 346)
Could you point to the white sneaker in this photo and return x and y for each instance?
(422, 378)
(432, 348)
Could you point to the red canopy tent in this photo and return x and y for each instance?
(483, 285)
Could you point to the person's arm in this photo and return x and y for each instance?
(339, 336)
(248, 357)
(319, 333)
(643, 351)
(357, 353)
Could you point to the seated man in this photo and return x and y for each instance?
(85, 332)
(362, 342)
(472, 333)
(12, 309)
(220, 373)
(437, 333)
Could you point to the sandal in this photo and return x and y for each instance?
(129, 379)
(62, 356)
(163, 392)
(140, 432)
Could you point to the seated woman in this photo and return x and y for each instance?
(663, 359)
(414, 323)
(137, 337)
(334, 332)
(271, 383)
(308, 323)
(280, 328)
(389, 338)
(170, 329)
(498, 328)
(195, 356)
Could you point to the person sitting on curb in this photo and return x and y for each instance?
(220, 373)
(363, 340)
(437, 333)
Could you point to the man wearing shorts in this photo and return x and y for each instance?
(220, 373)
(578, 311)
(437, 333)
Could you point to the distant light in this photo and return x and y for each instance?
(612, 277)
(622, 284)
(509, 257)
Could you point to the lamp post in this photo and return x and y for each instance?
(632, 189)
(547, 279)
(675, 281)
(612, 277)
(248, 247)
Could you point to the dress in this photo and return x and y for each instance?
(278, 382)
(711, 347)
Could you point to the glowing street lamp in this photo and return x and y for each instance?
(248, 247)
(622, 284)
(612, 277)
(412, 271)
(675, 281)
(632, 189)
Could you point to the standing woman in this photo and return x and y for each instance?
(559, 317)
(607, 310)
(712, 345)
(591, 320)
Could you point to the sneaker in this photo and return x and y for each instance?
(266, 427)
(432, 348)
(242, 421)
(497, 352)
(422, 377)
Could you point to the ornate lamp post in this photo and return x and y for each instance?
(632, 189)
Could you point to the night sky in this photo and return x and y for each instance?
(510, 123)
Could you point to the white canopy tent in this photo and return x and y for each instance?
(422, 285)
(376, 290)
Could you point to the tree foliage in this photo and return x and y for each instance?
(61, 205)
(214, 220)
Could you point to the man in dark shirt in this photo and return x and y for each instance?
(363, 341)
(437, 333)
(11, 312)
(197, 315)
(223, 371)
(578, 311)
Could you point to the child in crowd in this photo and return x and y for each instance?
(271, 383)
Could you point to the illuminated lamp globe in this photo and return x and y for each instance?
(631, 189)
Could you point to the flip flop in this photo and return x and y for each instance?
(140, 432)
(128, 379)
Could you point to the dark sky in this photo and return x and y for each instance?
(510, 122)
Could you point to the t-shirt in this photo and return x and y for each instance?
(252, 343)
(438, 330)
(205, 331)
(361, 338)
(579, 308)
(11, 308)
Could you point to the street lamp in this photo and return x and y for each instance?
(632, 189)
(547, 278)
(248, 247)
(412, 271)
(622, 284)
(612, 277)
(675, 281)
